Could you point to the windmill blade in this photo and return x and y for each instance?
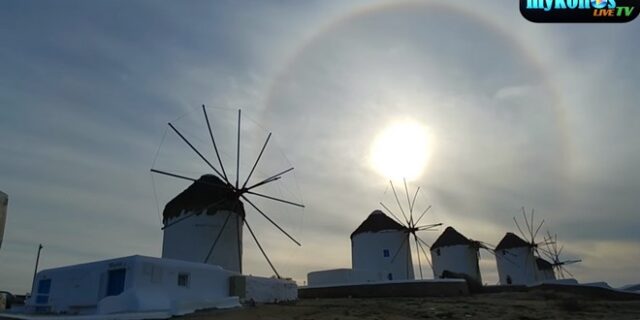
(258, 159)
(518, 226)
(261, 249)
(524, 214)
(413, 202)
(173, 175)
(196, 151)
(429, 227)
(418, 254)
(217, 237)
(406, 192)
(550, 255)
(531, 225)
(269, 219)
(571, 261)
(486, 245)
(238, 151)
(270, 179)
(567, 271)
(560, 251)
(215, 147)
(423, 213)
(543, 250)
(400, 248)
(424, 252)
(491, 251)
(187, 178)
(275, 199)
(425, 243)
(391, 212)
(398, 202)
(538, 229)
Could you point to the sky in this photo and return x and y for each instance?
(520, 114)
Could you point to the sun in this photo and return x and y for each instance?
(401, 151)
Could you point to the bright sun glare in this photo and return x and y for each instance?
(401, 150)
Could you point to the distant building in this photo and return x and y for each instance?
(455, 253)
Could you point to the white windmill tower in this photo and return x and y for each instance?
(516, 258)
(4, 202)
(204, 223)
(553, 253)
(454, 253)
(383, 243)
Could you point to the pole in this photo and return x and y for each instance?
(35, 272)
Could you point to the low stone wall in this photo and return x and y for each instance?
(437, 288)
(263, 290)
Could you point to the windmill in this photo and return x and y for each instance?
(411, 226)
(518, 259)
(455, 256)
(204, 223)
(553, 253)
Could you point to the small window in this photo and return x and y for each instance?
(438, 251)
(183, 280)
(115, 281)
(44, 286)
(385, 253)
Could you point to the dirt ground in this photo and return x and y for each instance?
(519, 306)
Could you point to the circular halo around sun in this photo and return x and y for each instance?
(401, 151)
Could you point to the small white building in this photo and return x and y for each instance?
(131, 284)
(200, 266)
(516, 261)
(381, 245)
(454, 252)
(204, 224)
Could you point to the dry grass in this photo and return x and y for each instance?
(517, 306)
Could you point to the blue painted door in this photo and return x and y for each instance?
(115, 283)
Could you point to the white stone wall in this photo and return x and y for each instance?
(192, 238)
(265, 290)
(367, 253)
(456, 258)
(343, 276)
